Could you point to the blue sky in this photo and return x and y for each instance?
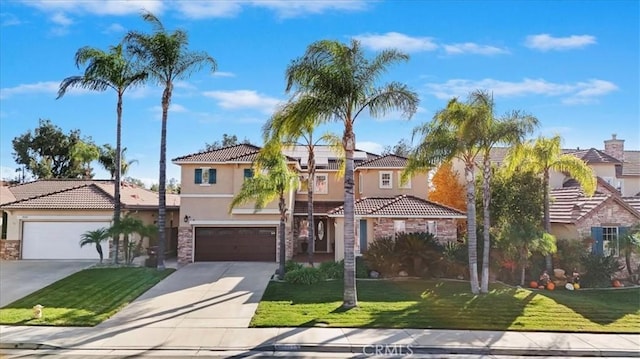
(574, 65)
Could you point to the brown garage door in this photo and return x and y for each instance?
(256, 244)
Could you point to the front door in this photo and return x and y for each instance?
(321, 234)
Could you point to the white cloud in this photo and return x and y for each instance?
(244, 99)
(546, 42)
(370, 146)
(7, 19)
(61, 19)
(473, 48)
(105, 7)
(223, 74)
(173, 108)
(208, 9)
(573, 93)
(45, 87)
(114, 28)
(398, 41)
(293, 8)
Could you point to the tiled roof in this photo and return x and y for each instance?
(593, 155)
(82, 194)
(391, 161)
(241, 153)
(633, 202)
(569, 205)
(319, 207)
(400, 206)
(5, 195)
(631, 165)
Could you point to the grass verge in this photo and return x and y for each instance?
(85, 298)
(449, 305)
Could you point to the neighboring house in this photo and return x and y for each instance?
(210, 231)
(45, 219)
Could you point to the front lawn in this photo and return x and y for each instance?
(449, 305)
(85, 298)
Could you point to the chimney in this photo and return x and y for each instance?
(614, 147)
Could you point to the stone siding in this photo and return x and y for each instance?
(9, 249)
(185, 246)
(446, 228)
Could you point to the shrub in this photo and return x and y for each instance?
(455, 260)
(382, 257)
(332, 270)
(290, 266)
(599, 270)
(419, 252)
(305, 275)
(569, 254)
(362, 271)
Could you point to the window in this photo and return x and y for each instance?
(398, 226)
(406, 185)
(386, 179)
(205, 176)
(321, 184)
(432, 227)
(610, 241)
(303, 183)
(248, 173)
(360, 184)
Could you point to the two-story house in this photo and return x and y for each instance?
(210, 230)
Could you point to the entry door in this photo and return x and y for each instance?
(321, 234)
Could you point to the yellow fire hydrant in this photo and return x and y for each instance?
(37, 311)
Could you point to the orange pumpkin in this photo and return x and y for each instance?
(551, 286)
(616, 284)
(533, 284)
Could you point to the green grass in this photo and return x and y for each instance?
(85, 298)
(449, 305)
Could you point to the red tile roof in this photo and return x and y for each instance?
(243, 152)
(593, 155)
(569, 205)
(633, 202)
(400, 206)
(319, 207)
(387, 161)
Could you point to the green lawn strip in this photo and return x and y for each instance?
(85, 298)
(449, 305)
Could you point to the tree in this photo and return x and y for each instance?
(166, 58)
(510, 130)
(453, 134)
(333, 81)
(95, 237)
(629, 244)
(108, 158)
(272, 180)
(47, 152)
(542, 156)
(402, 149)
(85, 152)
(127, 226)
(447, 189)
(135, 181)
(227, 141)
(107, 70)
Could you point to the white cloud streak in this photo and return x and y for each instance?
(473, 48)
(398, 41)
(571, 93)
(105, 7)
(546, 42)
(7, 19)
(244, 99)
(223, 74)
(295, 8)
(370, 146)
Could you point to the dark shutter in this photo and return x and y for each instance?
(248, 173)
(198, 175)
(598, 245)
(212, 175)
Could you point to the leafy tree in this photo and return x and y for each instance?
(95, 237)
(333, 81)
(107, 70)
(272, 180)
(402, 148)
(135, 181)
(542, 156)
(227, 140)
(447, 189)
(127, 226)
(630, 244)
(47, 152)
(108, 158)
(85, 152)
(172, 186)
(167, 58)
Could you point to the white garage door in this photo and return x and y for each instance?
(59, 240)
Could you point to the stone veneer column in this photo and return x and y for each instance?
(9, 249)
(185, 245)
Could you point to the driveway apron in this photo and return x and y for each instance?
(199, 295)
(21, 278)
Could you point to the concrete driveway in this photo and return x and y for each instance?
(20, 278)
(199, 295)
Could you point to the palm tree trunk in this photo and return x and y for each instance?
(311, 184)
(523, 264)
(547, 218)
(471, 227)
(162, 186)
(486, 201)
(281, 236)
(116, 185)
(350, 298)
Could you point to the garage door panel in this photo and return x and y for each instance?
(235, 244)
(59, 240)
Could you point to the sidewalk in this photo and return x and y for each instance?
(366, 342)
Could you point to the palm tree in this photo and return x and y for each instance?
(337, 82)
(108, 160)
(96, 237)
(272, 180)
(166, 58)
(510, 130)
(453, 133)
(107, 70)
(542, 156)
(300, 131)
(127, 226)
(629, 244)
